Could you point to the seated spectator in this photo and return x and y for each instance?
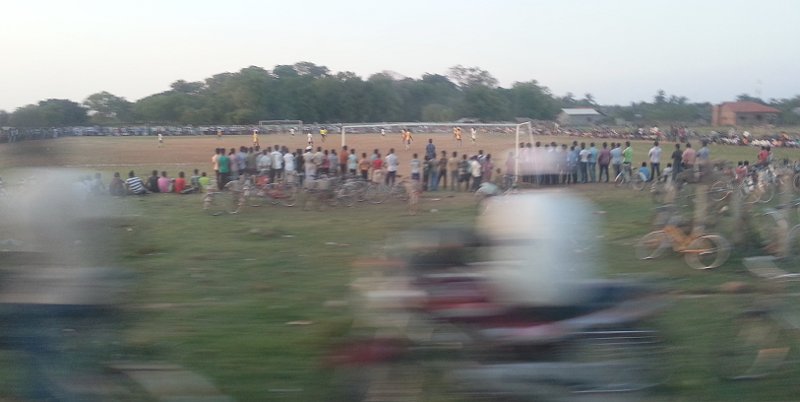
(179, 185)
(194, 181)
(117, 186)
(666, 175)
(97, 186)
(152, 182)
(135, 185)
(164, 183)
(644, 172)
(204, 182)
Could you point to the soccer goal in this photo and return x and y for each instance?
(280, 126)
(520, 130)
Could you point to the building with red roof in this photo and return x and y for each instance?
(743, 114)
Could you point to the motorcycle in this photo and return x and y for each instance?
(438, 317)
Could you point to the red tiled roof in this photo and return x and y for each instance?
(747, 107)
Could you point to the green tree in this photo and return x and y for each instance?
(468, 77)
(106, 108)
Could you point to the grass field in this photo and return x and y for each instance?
(220, 294)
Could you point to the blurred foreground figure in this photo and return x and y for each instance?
(511, 309)
(58, 300)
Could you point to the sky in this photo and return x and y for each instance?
(618, 50)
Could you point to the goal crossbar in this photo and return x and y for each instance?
(518, 131)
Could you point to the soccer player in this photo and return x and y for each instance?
(383, 132)
(310, 139)
(323, 132)
(219, 133)
(457, 135)
(473, 134)
(255, 138)
(160, 140)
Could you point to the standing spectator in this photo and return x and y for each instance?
(703, 156)
(309, 164)
(363, 166)
(344, 158)
(333, 163)
(325, 163)
(689, 157)
(476, 173)
(573, 161)
(487, 168)
(677, 160)
(224, 170)
(441, 166)
(289, 167)
(416, 167)
(627, 154)
(463, 173)
(233, 164)
(452, 167)
(583, 156)
(215, 164)
(430, 149)
(603, 160)
(377, 169)
(276, 166)
(391, 167)
(592, 163)
(616, 158)
(352, 163)
(655, 160)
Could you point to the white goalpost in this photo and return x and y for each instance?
(280, 124)
(520, 129)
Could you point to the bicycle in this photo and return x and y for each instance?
(327, 191)
(700, 251)
(764, 333)
(627, 178)
(261, 191)
(229, 200)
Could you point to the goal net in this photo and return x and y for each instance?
(280, 126)
(519, 131)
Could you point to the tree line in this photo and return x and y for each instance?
(312, 93)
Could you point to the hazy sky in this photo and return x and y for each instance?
(618, 50)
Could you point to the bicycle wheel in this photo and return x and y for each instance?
(757, 349)
(707, 252)
(637, 183)
(719, 190)
(769, 227)
(767, 192)
(619, 180)
(652, 245)
(793, 249)
(345, 196)
(289, 195)
(658, 192)
(376, 193)
(221, 203)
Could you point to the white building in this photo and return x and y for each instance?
(583, 116)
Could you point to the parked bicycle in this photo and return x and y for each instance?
(627, 178)
(700, 250)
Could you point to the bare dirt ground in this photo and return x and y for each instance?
(107, 153)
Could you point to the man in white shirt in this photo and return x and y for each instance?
(289, 167)
(655, 161)
(277, 163)
(391, 167)
(309, 164)
(263, 162)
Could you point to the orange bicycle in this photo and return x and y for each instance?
(700, 251)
